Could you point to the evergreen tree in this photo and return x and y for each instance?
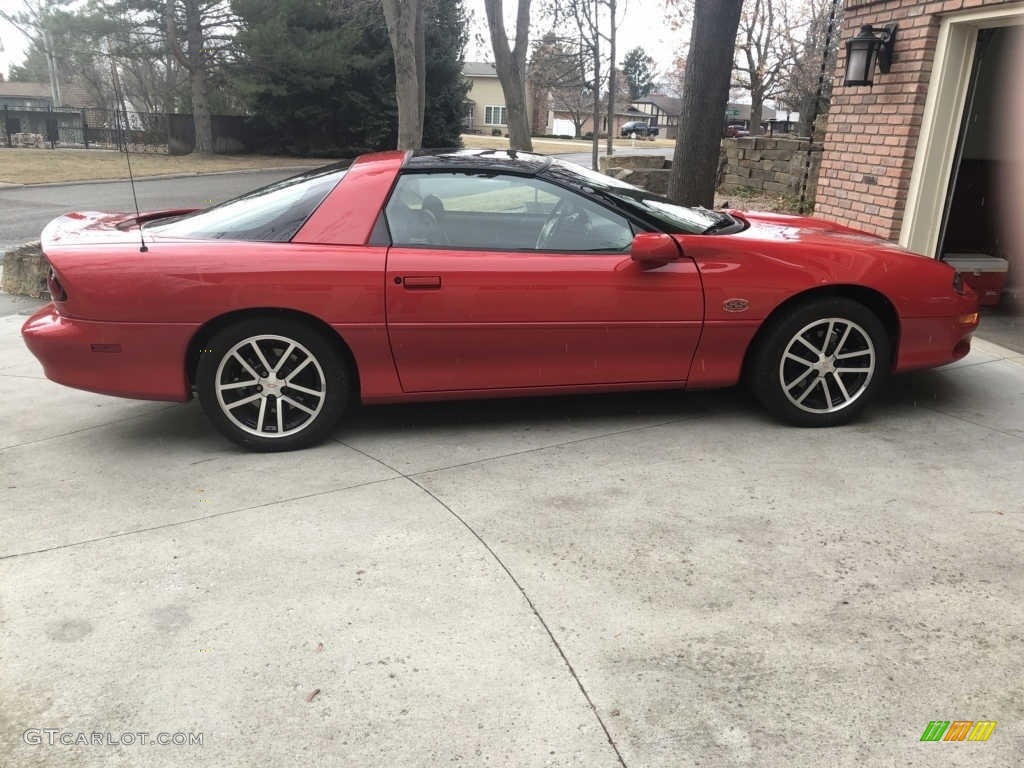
(446, 37)
(638, 68)
(319, 74)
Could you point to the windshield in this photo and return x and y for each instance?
(271, 214)
(669, 216)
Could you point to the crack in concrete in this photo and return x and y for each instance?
(519, 586)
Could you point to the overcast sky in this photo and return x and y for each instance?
(643, 23)
(11, 41)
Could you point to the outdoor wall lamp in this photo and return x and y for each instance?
(870, 45)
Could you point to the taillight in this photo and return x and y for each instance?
(57, 292)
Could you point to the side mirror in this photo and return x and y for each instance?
(654, 249)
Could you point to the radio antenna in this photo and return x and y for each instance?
(122, 132)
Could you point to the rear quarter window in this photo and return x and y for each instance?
(272, 214)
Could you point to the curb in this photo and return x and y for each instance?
(156, 177)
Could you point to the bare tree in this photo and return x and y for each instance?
(766, 49)
(405, 28)
(510, 64)
(587, 16)
(559, 73)
(612, 26)
(199, 18)
(804, 86)
(705, 94)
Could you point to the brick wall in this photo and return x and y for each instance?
(873, 131)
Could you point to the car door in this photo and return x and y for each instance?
(498, 281)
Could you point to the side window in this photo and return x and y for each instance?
(500, 212)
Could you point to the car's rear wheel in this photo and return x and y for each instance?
(821, 365)
(272, 384)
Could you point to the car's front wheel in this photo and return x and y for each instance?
(822, 364)
(272, 384)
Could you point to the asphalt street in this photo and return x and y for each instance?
(25, 210)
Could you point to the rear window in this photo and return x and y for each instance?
(270, 214)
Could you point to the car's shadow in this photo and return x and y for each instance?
(934, 388)
(187, 424)
(657, 404)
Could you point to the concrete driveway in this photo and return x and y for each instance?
(643, 580)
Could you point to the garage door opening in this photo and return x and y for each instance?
(972, 237)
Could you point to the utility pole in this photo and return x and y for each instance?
(611, 79)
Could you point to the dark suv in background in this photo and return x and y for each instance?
(638, 127)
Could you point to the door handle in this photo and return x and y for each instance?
(422, 282)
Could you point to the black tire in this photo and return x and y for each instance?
(295, 404)
(820, 364)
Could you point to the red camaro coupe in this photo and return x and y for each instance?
(454, 274)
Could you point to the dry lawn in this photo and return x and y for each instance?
(558, 146)
(39, 166)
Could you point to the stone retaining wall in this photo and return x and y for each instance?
(650, 172)
(25, 270)
(768, 165)
(762, 165)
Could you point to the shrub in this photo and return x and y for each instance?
(495, 131)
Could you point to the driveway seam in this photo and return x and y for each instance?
(518, 585)
(964, 419)
(201, 518)
(80, 430)
(525, 451)
(21, 376)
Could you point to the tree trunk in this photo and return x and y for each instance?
(611, 79)
(705, 95)
(756, 110)
(510, 64)
(197, 78)
(193, 60)
(405, 30)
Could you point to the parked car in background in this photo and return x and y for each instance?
(736, 132)
(639, 129)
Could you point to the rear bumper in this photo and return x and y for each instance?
(145, 361)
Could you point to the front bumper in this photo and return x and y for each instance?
(926, 342)
(145, 361)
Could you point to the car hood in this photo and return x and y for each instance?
(100, 228)
(807, 230)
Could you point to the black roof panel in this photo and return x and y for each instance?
(503, 160)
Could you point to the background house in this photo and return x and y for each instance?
(664, 111)
(485, 102)
(577, 119)
(28, 108)
(37, 96)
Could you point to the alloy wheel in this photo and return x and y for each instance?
(827, 365)
(270, 386)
